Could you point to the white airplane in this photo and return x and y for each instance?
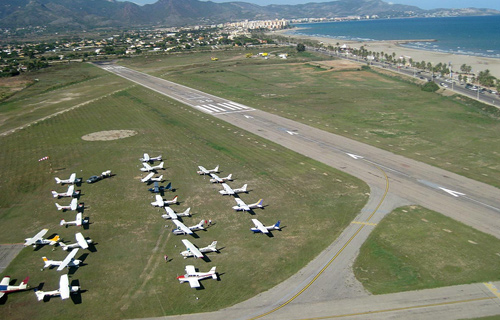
(79, 221)
(161, 203)
(149, 177)
(72, 206)
(240, 205)
(230, 191)
(182, 229)
(260, 228)
(69, 261)
(70, 193)
(5, 286)
(64, 290)
(205, 171)
(148, 167)
(194, 277)
(193, 251)
(147, 158)
(81, 242)
(171, 214)
(39, 240)
(71, 180)
(216, 179)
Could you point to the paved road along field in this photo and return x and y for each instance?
(394, 181)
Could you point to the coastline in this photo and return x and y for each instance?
(477, 63)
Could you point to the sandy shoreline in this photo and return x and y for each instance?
(389, 46)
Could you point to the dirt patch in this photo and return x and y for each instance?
(109, 135)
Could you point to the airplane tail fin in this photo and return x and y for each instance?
(186, 213)
(216, 169)
(229, 177)
(175, 199)
(46, 261)
(58, 181)
(64, 246)
(160, 178)
(212, 271)
(213, 246)
(24, 284)
(201, 224)
(277, 225)
(260, 202)
(244, 188)
(40, 295)
(55, 194)
(54, 240)
(59, 207)
(62, 223)
(169, 186)
(160, 166)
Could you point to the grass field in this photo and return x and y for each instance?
(127, 276)
(415, 248)
(448, 132)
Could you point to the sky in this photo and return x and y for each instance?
(424, 4)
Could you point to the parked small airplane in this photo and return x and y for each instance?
(193, 251)
(81, 242)
(71, 180)
(260, 228)
(158, 189)
(148, 168)
(205, 171)
(64, 290)
(194, 277)
(240, 205)
(171, 214)
(70, 193)
(161, 203)
(147, 158)
(79, 221)
(149, 177)
(182, 229)
(72, 206)
(5, 286)
(230, 191)
(39, 240)
(69, 261)
(216, 179)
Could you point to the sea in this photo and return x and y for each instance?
(477, 35)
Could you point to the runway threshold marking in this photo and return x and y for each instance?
(401, 309)
(336, 255)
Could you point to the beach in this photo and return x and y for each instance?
(389, 46)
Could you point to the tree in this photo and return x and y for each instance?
(301, 47)
(430, 87)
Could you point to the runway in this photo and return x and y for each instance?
(394, 181)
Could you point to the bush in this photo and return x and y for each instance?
(430, 87)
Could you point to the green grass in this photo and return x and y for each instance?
(127, 276)
(448, 132)
(415, 248)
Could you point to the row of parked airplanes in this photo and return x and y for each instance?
(65, 289)
(192, 276)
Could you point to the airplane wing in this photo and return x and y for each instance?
(202, 169)
(159, 201)
(81, 240)
(171, 213)
(260, 226)
(71, 190)
(37, 237)
(149, 176)
(5, 281)
(72, 178)
(182, 227)
(79, 219)
(146, 157)
(192, 248)
(74, 204)
(193, 283)
(147, 166)
(67, 260)
(242, 204)
(64, 286)
(228, 189)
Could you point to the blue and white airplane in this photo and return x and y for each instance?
(260, 228)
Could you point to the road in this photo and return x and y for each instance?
(394, 181)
